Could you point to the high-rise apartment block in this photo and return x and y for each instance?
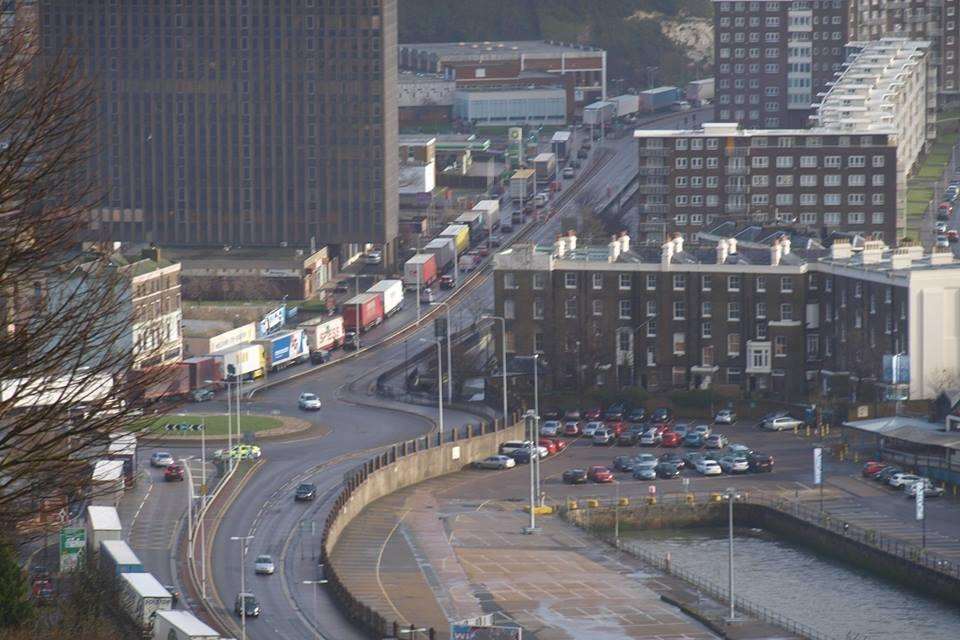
(887, 86)
(263, 122)
(773, 57)
(819, 180)
(933, 20)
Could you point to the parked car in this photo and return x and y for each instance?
(591, 428)
(930, 490)
(248, 604)
(871, 468)
(691, 458)
(734, 464)
(739, 450)
(650, 438)
(616, 411)
(550, 428)
(638, 414)
(671, 439)
(661, 416)
(263, 565)
(899, 480)
(521, 456)
(571, 414)
(593, 414)
(173, 472)
(305, 492)
(645, 473)
(645, 460)
(559, 443)
(884, 474)
(552, 414)
(760, 462)
(309, 402)
(666, 470)
(617, 426)
(600, 474)
(548, 444)
(572, 429)
(673, 458)
(781, 423)
(627, 438)
(575, 476)
(725, 416)
(715, 441)
(161, 459)
(708, 467)
(508, 447)
(603, 437)
(201, 395)
(623, 463)
(496, 462)
(693, 440)
(703, 429)
(681, 429)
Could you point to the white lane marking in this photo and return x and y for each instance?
(140, 508)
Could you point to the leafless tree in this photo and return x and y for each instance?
(67, 349)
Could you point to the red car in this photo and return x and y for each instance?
(560, 444)
(600, 474)
(173, 472)
(592, 414)
(661, 429)
(550, 445)
(872, 468)
(617, 426)
(572, 429)
(671, 439)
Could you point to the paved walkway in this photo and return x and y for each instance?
(430, 554)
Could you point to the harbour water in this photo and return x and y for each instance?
(836, 599)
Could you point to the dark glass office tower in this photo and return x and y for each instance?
(239, 122)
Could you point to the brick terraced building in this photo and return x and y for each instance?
(757, 318)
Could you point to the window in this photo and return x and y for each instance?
(509, 309)
(733, 311)
(538, 343)
(887, 295)
(877, 198)
(706, 283)
(856, 161)
(624, 309)
(509, 281)
(808, 162)
(706, 355)
(808, 181)
(878, 161)
(858, 290)
(570, 280)
(626, 281)
(598, 281)
(831, 218)
(733, 344)
(760, 310)
(734, 375)
(651, 282)
(856, 198)
(651, 356)
(679, 281)
(873, 305)
(706, 329)
(813, 346)
(784, 162)
(856, 217)
(780, 346)
(786, 284)
(679, 310)
(570, 308)
(831, 199)
(786, 312)
(733, 283)
(539, 280)
(706, 309)
(680, 181)
(759, 357)
(831, 180)
(760, 181)
(652, 328)
(831, 162)
(761, 331)
(808, 199)
(679, 344)
(680, 163)
(651, 308)
(761, 284)
(598, 307)
(623, 340)
(679, 377)
(856, 180)
(877, 180)
(538, 309)
(857, 320)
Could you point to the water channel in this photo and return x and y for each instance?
(835, 599)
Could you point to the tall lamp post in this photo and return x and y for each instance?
(503, 357)
(529, 419)
(449, 349)
(230, 384)
(316, 607)
(730, 495)
(439, 381)
(535, 459)
(243, 585)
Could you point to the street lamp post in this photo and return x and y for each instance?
(616, 516)
(411, 631)
(535, 460)
(503, 358)
(730, 495)
(229, 384)
(243, 585)
(316, 606)
(203, 510)
(439, 382)
(449, 349)
(529, 419)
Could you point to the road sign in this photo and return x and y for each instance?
(73, 540)
(918, 487)
(817, 465)
(686, 483)
(652, 490)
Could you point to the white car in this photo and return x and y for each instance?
(709, 467)
(940, 226)
(497, 462)
(550, 428)
(781, 423)
(725, 416)
(510, 446)
(374, 257)
(740, 450)
(734, 464)
(943, 242)
(309, 402)
(161, 459)
(644, 461)
(703, 429)
(591, 428)
(263, 565)
(603, 437)
(930, 490)
(899, 480)
(650, 438)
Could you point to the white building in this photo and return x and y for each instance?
(888, 86)
(511, 106)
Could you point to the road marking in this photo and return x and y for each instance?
(142, 502)
(383, 548)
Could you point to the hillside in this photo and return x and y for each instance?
(674, 35)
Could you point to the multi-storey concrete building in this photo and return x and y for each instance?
(933, 20)
(740, 317)
(886, 86)
(264, 122)
(773, 57)
(819, 180)
(479, 64)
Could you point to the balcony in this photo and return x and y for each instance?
(735, 207)
(653, 171)
(738, 152)
(653, 188)
(647, 209)
(737, 169)
(737, 188)
(655, 153)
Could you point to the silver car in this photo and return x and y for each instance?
(781, 423)
(263, 565)
(645, 473)
(734, 464)
(716, 441)
(496, 462)
(725, 416)
(161, 459)
(591, 428)
(603, 437)
(650, 438)
(550, 428)
(703, 429)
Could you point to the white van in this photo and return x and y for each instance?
(540, 200)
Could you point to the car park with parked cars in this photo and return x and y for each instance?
(575, 476)
(600, 474)
(780, 423)
(496, 462)
(709, 467)
(551, 428)
(725, 416)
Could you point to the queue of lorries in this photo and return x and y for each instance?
(147, 603)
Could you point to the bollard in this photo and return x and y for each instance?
(716, 497)
(690, 498)
(593, 503)
(624, 502)
(807, 430)
(572, 505)
(795, 429)
(651, 500)
(856, 457)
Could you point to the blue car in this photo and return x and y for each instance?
(521, 456)
(693, 440)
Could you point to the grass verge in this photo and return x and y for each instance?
(214, 425)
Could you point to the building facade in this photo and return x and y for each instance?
(157, 316)
(818, 180)
(761, 320)
(254, 123)
(772, 58)
(886, 85)
(936, 22)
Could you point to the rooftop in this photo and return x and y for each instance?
(414, 77)
(910, 429)
(732, 129)
(415, 139)
(505, 49)
(249, 257)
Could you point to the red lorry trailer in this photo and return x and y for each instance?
(363, 312)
